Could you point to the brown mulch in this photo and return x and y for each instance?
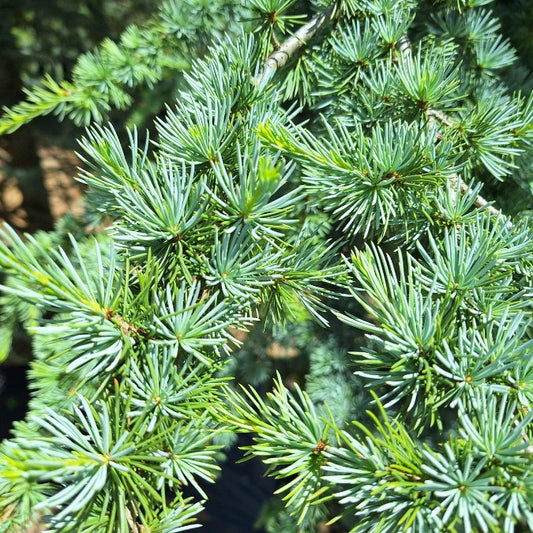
(58, 168)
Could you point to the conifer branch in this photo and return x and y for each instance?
(226, 217)
(405, 49)
(440, 116)
(277, 59)
(103, 78)
(479, 202)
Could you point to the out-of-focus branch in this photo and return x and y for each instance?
(440, 116)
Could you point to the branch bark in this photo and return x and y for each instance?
(289, 47)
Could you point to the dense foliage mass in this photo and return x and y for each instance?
(332, 207)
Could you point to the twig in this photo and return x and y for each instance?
(131, 518)
(286, 50)
(479, 201)
(440, 116)
(404, 46)
(433, 114)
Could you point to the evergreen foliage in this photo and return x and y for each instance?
(339, 198)
(103, 79)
